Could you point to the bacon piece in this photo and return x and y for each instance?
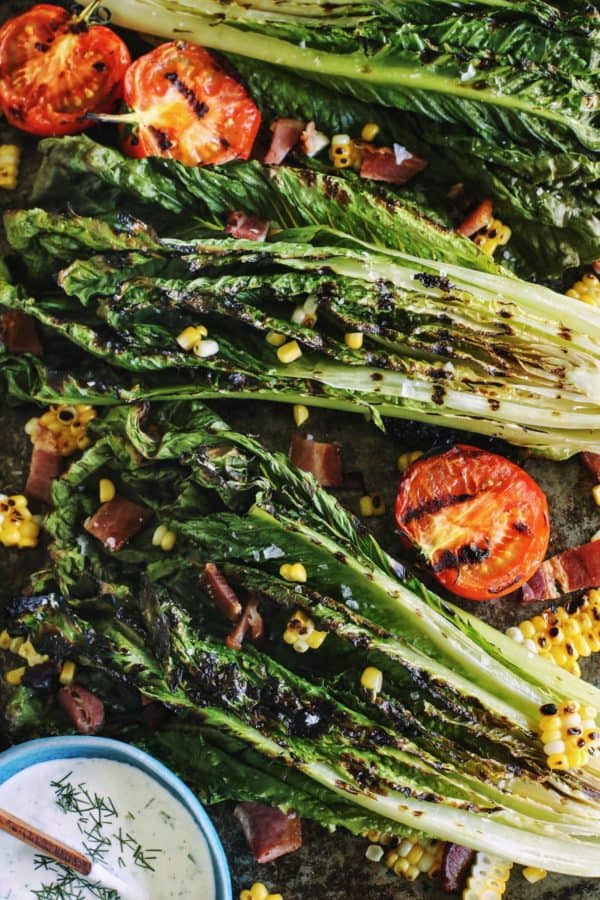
(19, 333)
(269, 831)
(456, 866)
(84, 709)
(479, 218)
(220, 592)
(323, 460)
(285, 135)
(596, 266)
(116, 521)
(313, 141)
(572, 570)
(45, 466)
(250, 621)
(245, 227)
(395, 166)
(592, 462)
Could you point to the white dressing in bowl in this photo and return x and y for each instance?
(143, 841)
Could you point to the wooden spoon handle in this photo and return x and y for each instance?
(43, 842)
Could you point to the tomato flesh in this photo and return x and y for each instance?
(188, 107)
(54, 70)
(479, 520)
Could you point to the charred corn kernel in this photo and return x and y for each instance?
(341, 151)
(495, 235)
(293, 572)
(275, 339)
(10, 157)
(371, 505)
(353, 340)
(191, 336)
(374, 852)
(567, 737)
(67, 423)
(67, 672)
(407, 459)
(168, 541)
(17, 526)
(488, 879)
(15, 676)
(565, 634)
(372, 679)
(205, 348)
(106, 490)
(289, 353)
(378, 837)
(159, 533)
(300, 414)
(28, 652)
(533, 875)
(587, 289)
(316, 638)
(369, 131)
(411, 858)
(305, 314)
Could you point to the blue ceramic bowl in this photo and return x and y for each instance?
(32, 752)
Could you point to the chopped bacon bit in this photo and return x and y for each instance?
(220, 592)
(269, 831)
(313, 141)
(19, 333)
(572, 570)
(323, 460)
(479, 218)
(596, 266)
(84, 709)
(285, 135)
(456, 866)
(592, 462)
(117, 521)
(395, 166)
(250, 620)
(45, 466)
(245, 227)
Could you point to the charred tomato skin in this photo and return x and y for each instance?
(479, 520)
(188, 107)
(54, 70)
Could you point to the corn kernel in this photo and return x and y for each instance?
(275, 339)
(191, 336)
(28, 652)
(369, 132)
(67, 672)
(407, 459)
(372, 679)
(10, 157)
(596, 494)
(15, 676)
(259, 891)
(106, 490)
(533, 875)
(205, 348)
(293, 572)
(374, 853)
(159, 533)
(300, 413)
(587, 290)
(371, 505)
(4, 639)
(289, 353)
(68, 424)
(168, 541)
(353, 340)
(316, 638)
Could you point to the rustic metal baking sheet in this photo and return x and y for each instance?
(329, 866)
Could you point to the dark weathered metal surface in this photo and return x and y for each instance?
(329, 866)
